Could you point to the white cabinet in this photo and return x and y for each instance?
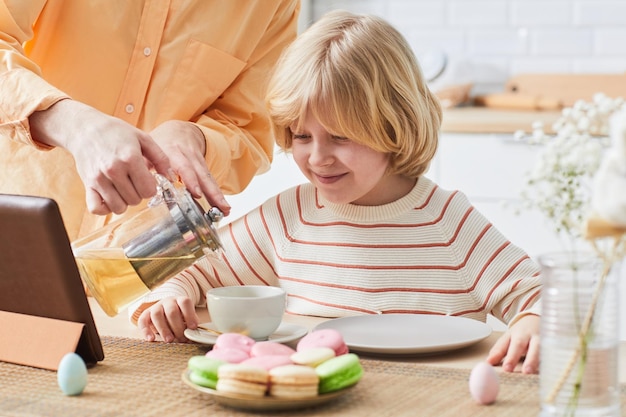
(283, 174)
(490, 169)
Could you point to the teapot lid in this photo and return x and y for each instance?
(183, 207)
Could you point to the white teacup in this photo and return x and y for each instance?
(254, 310)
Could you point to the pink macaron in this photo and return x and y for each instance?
(234, 341)
(270, 348)
(330, 338)
(230, 355)
(268, 361)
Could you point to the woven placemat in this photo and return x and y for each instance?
(139, 378)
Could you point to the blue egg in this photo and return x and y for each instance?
(72, 374)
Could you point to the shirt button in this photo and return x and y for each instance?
(130, 108)
(147, 51)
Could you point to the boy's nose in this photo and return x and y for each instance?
(320, 154)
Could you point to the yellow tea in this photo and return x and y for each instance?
(112, 278)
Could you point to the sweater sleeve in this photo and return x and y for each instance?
(243, 261)
(505, 280)
(184, 284)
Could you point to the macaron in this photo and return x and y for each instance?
(339, 372)
(268, 361)
(230, 355)
(293, 381)
(330, 338)
(234, 341)
(312, 356)
(270, 348)
(235, 378)
(203, 370)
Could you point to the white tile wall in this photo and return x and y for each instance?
(476, 13)
(598, 13)
(540, 13)
(610, 41)
(488, 41)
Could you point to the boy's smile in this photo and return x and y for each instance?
(345, 171)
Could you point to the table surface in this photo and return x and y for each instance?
(120, 326)
(139, 378)
(465, 358)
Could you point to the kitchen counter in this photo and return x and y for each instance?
(490, 120)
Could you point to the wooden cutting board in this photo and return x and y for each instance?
(553, 91)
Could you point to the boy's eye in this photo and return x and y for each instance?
(305, 136)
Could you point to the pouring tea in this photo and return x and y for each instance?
(129, 257)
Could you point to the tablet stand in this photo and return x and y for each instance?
(36, 341)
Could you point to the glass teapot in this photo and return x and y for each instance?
(131, 256)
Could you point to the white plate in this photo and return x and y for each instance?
(407, 333)
(285, 333)
(266, 403)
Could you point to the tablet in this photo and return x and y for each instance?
(38, 273)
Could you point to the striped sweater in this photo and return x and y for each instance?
(430, 252)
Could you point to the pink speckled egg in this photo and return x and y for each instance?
(484, 383)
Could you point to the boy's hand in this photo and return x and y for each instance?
(168, 318)
(521, 341)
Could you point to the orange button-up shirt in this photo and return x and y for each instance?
(146, 62)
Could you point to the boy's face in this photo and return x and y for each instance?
(342, 170)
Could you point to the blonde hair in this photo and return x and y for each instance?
(360, 79)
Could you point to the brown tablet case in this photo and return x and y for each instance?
(44, 312)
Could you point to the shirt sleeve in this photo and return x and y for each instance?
(24, 91)
(237, 123)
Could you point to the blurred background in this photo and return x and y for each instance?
(488, 41)
(472, 49)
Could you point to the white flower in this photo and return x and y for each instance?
(609, 198)
(560, 183)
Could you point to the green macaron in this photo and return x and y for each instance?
(339, 372)
(204, 370)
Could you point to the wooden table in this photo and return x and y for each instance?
(120, 326)
(139, 378)
(463, 359)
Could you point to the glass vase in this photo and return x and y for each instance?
(579, 336)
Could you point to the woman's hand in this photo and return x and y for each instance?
(113, 158)
(520, 341)
(185, 146)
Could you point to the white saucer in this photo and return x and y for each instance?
(286, 332)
